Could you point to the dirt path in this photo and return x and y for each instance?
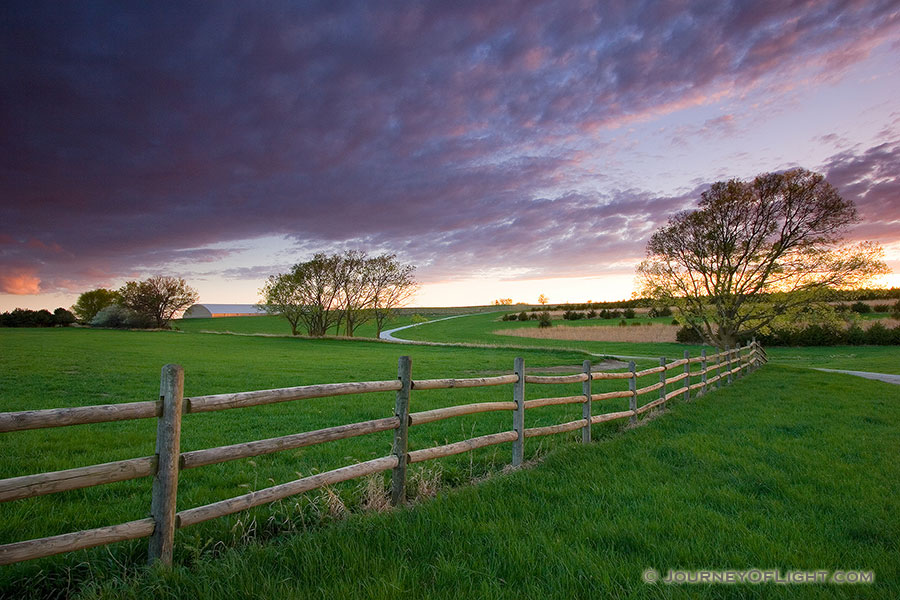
(885, 377)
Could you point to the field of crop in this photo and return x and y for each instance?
(788, 469)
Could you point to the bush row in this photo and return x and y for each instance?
(815, 335)
(22, 317)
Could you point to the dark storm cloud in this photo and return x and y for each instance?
(135, 135)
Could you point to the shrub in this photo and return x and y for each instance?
(688, 335)
(592, 314)
(544, 320)
(662, 311)
(879, 335)
(628, 313)
(119, 317)
(523, 316)
(855, 336)
(623, 323)
(62, 317)
(895, 310)
(604, 314)
(861, 308)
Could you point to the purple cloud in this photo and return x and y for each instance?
(137, 136)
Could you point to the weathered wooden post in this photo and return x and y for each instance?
(165, 481)
(718, 369)
(401, 434)
(632, 400)
(729, 355)
(662, 378)
(586, 406)
(518, 447)
(703, 371)
(687, 379)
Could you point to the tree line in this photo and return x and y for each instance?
(340, 291)
(150, 303)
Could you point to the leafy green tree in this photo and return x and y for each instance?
(90, 303)
(62, 317)
(158, 298)
(756, 253)
(309, 293)
(392, 285)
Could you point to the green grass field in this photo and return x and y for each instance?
(790, 468)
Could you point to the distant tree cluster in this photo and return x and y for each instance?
(340, 291)
(22, 317)
(143, 304)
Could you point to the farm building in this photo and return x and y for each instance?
(205, 311)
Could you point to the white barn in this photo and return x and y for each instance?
(207, 311)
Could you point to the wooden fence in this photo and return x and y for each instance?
(165, 465)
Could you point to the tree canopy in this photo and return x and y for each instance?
(91, 302)
(340, 290)
(756, 252)
(157, 298)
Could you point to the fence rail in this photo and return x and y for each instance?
(165, 465)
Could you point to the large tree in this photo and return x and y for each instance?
(354, 283)
(158, 298)
(756, 252)
(392, 285)
(309, 293)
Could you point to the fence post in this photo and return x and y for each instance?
(703, 371)
(401, 434)
(729, 354)
(719, 382)
(632, 401)
(662, 378)
(518, 447)
(754, 364)
(586, 406)
(746, 369)
(165, 481)
(687, 380)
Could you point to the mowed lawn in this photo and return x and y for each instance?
(789, 469)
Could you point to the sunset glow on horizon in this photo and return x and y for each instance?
(505, 149)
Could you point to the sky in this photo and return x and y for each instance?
(507, 149)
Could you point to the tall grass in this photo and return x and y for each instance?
(788, 469)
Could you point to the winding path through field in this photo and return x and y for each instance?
(388, 335)
(885, 377)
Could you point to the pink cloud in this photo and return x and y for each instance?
(20, 282)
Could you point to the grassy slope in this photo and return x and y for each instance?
(764, 474)
(40, 369)
(480, 328)
(69, 367)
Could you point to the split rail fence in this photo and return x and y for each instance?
(165, 464)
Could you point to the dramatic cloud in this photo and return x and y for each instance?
(464, 135)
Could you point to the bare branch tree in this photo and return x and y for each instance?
(392, 285)
(309, 293)
(755, 252)
(158, 298)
